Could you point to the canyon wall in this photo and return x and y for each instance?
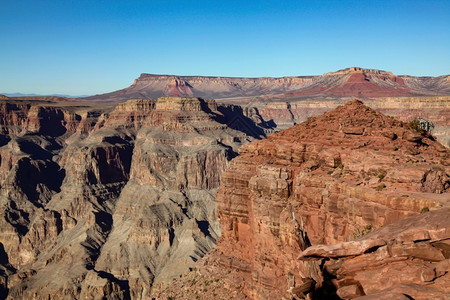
(433, 109)
(350, 82)
(98, 203)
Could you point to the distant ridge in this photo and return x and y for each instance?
(345, 83)
(42, 95)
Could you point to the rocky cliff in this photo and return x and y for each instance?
(403, 260)
(341, 175)
(106, 203)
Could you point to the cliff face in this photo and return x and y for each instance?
(346, 172)
(100, 204)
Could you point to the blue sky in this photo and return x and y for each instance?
(87, 47)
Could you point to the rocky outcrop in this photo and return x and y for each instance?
(342, 174)
(286, 113)
(106, 203)
(409, 259)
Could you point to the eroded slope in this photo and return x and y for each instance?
(105, 204)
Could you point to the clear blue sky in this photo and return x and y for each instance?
(87, 47)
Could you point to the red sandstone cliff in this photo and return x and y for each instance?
(344, 173)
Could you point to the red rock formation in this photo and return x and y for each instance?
(409, 258)
(178, 88)
(12, 117)
(343, 173)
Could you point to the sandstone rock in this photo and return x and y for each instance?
(350, 291)
(384, 295)
(352, 248)
(428, 274)
(408, 264)
(442, 268)
(353, 130)
(326, 181)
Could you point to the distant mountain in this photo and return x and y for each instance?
(40, 95)
(350, 82)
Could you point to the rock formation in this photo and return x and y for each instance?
(403, 260)
(343, 174)
(106, 203)
(113, 202)
(434, 109)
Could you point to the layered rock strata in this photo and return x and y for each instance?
(407, 259)
(342, 175)
(350, 82)
(286, 113)
(106, 204)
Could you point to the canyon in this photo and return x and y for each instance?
(287, 101)
(108, 202)
(303, 191)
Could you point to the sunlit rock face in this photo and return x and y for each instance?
(344, 173)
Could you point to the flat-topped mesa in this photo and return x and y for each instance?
(131, 114)
(358, 69)
(187, 114)
(184, 114)
(171, 113)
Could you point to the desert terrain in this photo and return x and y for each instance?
(218, 187)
